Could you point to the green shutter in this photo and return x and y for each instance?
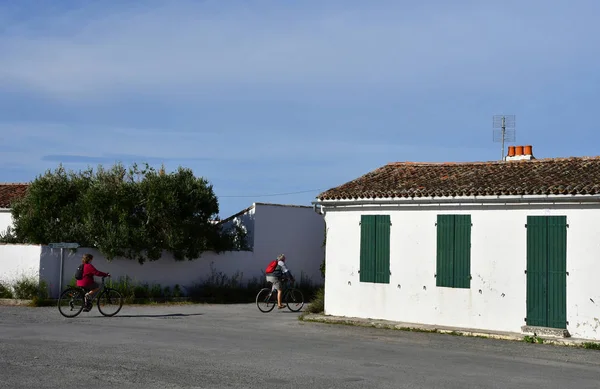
(375, 248)
(445, 251)
(382, 249)
(367, 248)
(462, 251)
(537, 244)
(557, 271)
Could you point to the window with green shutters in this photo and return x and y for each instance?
(453, 263)
(375, 248)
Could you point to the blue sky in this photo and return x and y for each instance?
(269, 97)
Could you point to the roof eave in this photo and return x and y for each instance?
(575, 198)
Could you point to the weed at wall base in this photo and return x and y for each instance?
(317, 304)
(533, 339)
(5, 291)
(27, 288)
(216, 288)
(591, 346)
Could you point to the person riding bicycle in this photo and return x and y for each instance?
(87, 281)
(280, 273)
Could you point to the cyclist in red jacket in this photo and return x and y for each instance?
(87, 281)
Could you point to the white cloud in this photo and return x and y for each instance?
(186, 46)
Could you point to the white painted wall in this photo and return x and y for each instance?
(17, 261)
(166, 271)
(5, 220)
(497, 297)
(297, 232)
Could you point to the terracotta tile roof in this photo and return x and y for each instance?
(10, 192)
(564, 176)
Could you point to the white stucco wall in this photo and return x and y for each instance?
(5, 220)
(166, 271)
(297, 232)
(293, 230)
(17, 261)
(497, 297)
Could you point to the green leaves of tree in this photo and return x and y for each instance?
(135, 213)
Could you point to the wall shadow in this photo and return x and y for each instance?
(165, 315)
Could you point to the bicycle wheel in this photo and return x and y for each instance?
(110, 302)
(264, 300)
(71, 302)
(294, 299)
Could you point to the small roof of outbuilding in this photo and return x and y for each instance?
(10, 192)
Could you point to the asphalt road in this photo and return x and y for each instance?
(236, 346)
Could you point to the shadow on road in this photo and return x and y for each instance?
(165, 315)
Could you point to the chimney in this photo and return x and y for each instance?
(518, 153)
(518, 150)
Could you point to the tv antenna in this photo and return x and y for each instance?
(504, 130)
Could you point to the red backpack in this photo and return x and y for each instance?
(271, 267)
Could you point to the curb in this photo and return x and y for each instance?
(384, 324)
(14, 302)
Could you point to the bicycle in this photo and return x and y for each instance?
(291, 297)
(74, 298)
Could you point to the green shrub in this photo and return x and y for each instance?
(125, 287)
(40, 299)
(317, 304)
(5, 291)
(26, 288)
(177, 293)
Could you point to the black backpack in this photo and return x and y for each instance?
(79, 272)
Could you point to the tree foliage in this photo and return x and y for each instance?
(134, 213)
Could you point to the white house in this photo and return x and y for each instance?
(9, 193)
(503, 246)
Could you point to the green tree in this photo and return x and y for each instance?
(52, 210)
(134, 213)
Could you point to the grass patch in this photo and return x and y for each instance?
(533, 339)
(591, 346)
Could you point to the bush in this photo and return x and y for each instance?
(27, 288)
(317, 304)
(40, 299)
(5, 291)
(125, 287)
